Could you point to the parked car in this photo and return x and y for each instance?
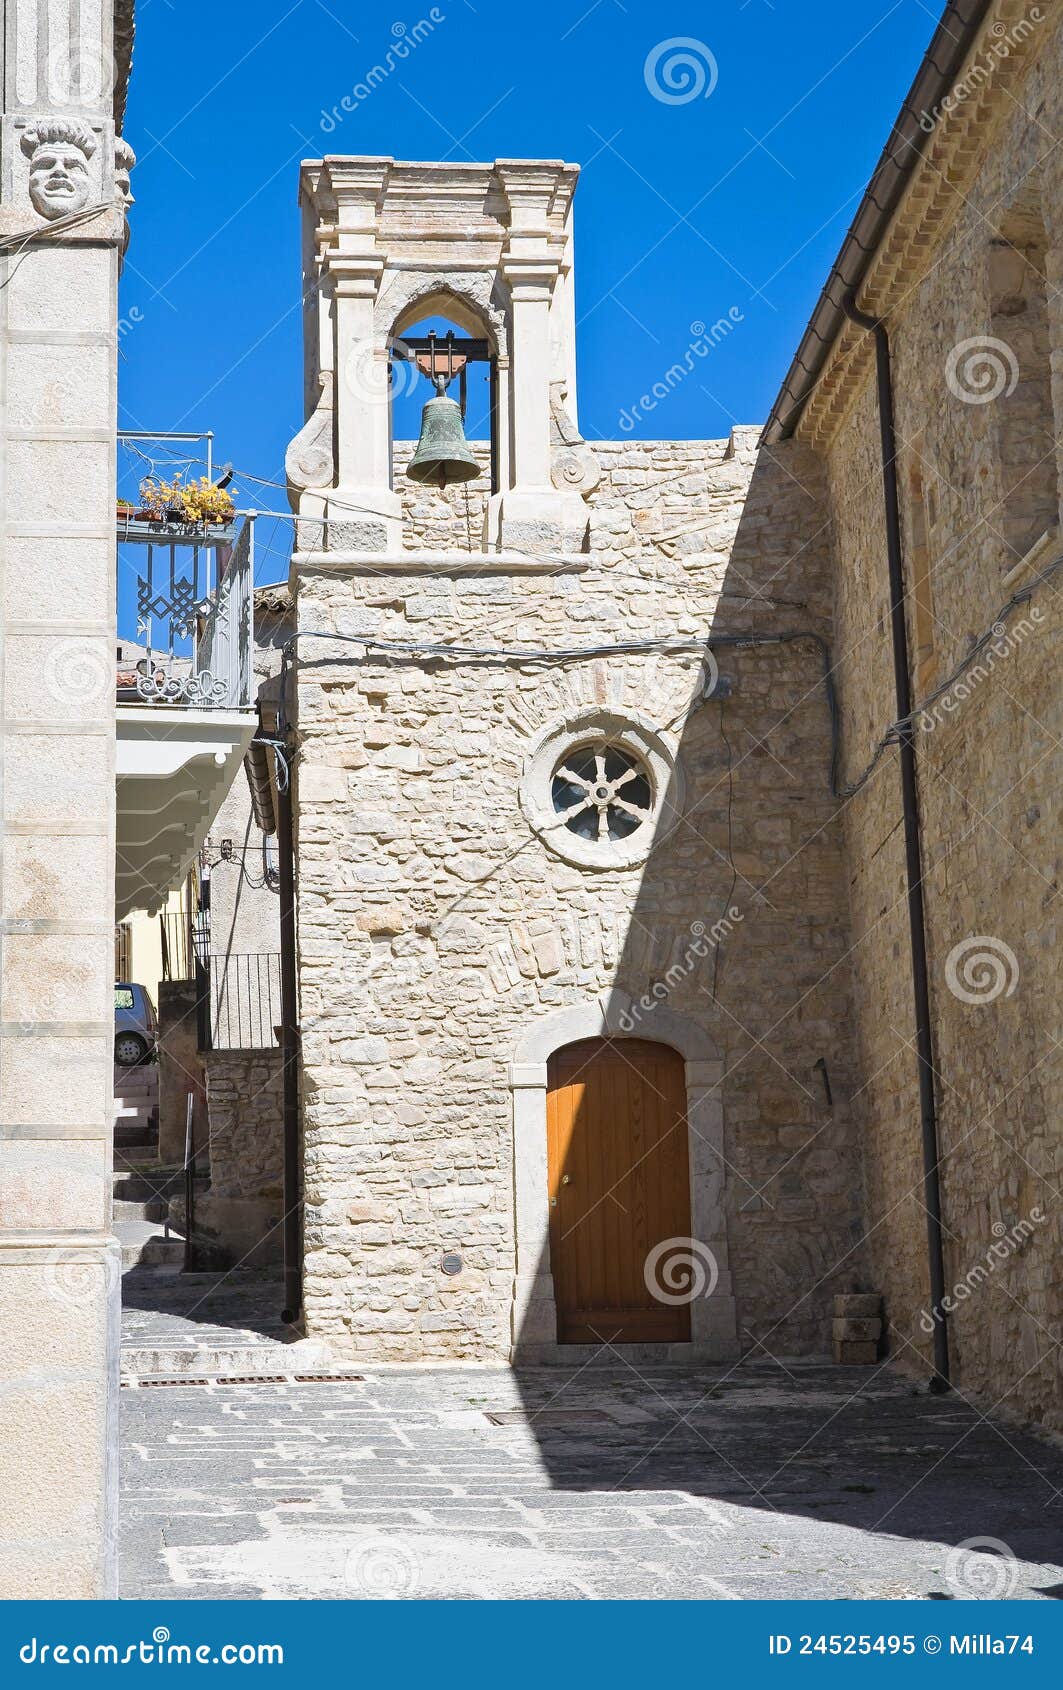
(135, 1026)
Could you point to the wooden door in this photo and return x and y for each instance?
(619, 1183)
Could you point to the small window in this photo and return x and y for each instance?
(602, 789)
(602, 792)
(123, 997)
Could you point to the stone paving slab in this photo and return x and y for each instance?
(202, 1310)
(754, 1482)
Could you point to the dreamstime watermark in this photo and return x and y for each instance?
(981, 969)
(981, 1569)
(1006, 636)
(1007, 1242)
(80, 672)
(374, 370)
(1003, 39)
(159, 1652)
(679, 70)
(72, 1278)
(406, 39)
(702, 940)
(383, 1569)
(80, 72)
(133, 318)
(705, 340)
(981, 369)
(680, 1270)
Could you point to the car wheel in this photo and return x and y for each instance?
(129, 1049)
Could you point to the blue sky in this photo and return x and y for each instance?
(735, 202)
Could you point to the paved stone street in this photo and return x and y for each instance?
(810, 1481)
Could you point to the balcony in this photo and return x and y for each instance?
(186, 711)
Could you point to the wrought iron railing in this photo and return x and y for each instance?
(194, 614)
(245, 1001)
(185, 937)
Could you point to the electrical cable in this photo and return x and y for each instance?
(57, 225)
(22, 240)
(562, 654)
(733, 641)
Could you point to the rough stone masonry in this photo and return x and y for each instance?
(435, 926)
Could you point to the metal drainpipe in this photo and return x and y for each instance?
(912, 844)
(292, 1224)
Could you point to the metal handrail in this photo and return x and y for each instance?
(245, 1000)
(190, 1185)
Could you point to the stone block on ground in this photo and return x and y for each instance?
(855, 1354)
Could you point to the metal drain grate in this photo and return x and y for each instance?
(549, 1417)
(328, 1378)
(133, 1383)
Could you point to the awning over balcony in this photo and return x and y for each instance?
(174, 769)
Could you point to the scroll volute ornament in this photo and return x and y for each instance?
(574, 467)
(310, 459)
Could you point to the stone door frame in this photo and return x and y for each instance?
(714, 1331)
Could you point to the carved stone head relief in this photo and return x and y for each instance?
(124, 160)
(59, 150)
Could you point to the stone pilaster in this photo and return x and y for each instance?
(59, 1270)
(530, 510)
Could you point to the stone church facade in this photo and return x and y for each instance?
(471, 929)
(453, 934)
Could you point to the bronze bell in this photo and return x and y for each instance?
(442, 453)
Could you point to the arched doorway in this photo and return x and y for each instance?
(612, 1017)
(619, 1186)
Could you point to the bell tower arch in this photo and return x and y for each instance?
(387, 243)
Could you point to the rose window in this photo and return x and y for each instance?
(602, 792)
(601, 789)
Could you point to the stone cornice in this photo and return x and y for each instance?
(124, 32)
(420, 564)
(962, 135)
(478, 206)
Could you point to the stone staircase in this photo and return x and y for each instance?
(141, 1184)
(175, 1325)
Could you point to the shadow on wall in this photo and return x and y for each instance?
(686, 1170)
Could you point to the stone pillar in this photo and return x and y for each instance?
(59, 1265)
(713, 1324)
(534, 1305)
(180, 1070)
(364, 513)
(530, 294)
(531, 512)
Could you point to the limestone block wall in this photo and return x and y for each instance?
(990, 778)
(435, 927)
(434, 520)
(238, 1219)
